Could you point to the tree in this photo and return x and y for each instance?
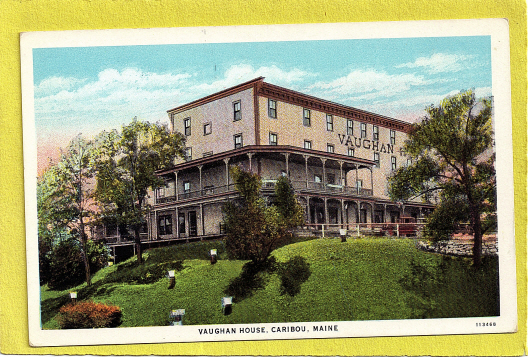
(453, 163)
(126, 167)
(254, 228)
(64, 197)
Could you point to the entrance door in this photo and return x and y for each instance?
(193, 232)
(181, 224)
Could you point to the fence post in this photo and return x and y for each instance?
(358, 232)
(322, 232)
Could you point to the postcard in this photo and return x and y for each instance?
(268, 182)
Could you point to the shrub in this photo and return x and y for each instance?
(66, 265)
(98, 255)
(88, 314)
(146, 273)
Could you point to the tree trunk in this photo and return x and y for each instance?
(85, 254)
(138, 244)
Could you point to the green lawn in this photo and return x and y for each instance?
(362, 279)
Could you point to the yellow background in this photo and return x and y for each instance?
(45, 15)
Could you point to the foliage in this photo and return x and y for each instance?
(98, 255)
(64, 197)
(453, 163)
(293, 274)
(253, 228)
(66, 265)
(428, 277)
(88, 314)
(126, 167)
(66, 261)
(147, 273)
(443, 222)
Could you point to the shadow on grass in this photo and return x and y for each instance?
(293, 274)
(452, 287)
(253, 277)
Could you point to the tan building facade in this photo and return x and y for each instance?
(338, 159)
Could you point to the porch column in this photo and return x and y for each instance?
(176, 184)
(201, 187)
(371, 182)
(177, 223)
(287, 157)
(421, 212)
(202, 219)
(155, 226)
(342, 213)
(372, 207)
(250, 155)
(327, 221)
(324, 174)
(384, 212)
(358, 213)
(357, 187)
(308, 210)
(306, 168)
(341, 176)
(226, 161)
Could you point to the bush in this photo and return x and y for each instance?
(88, 314)
(66, 265)
(134, 273)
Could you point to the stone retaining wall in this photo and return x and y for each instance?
(459, 248)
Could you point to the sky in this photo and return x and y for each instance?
(90, 89)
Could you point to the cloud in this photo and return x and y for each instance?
(240, 73)
(56, 84)
(370, 84)
(439, 63)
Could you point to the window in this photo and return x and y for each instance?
(165, 225)
(273, 139)
(317, 178)
(188, 154)
(350, 151)
(160, 192)
(393, 163)
(409, 161)
(330, 179)
(375, 133)
(350, 127)
(308, 144)
(187, 126)
(306, 117)
(363, 130)
(238, 141)
(329, 148)
(208, 190)
(236, 111)
(208, 153)
(359, 185)
(393, 137)
(376, 159)
(186, 187)
(207, 128)
(272, 108)
(329, 122)
(284, 173)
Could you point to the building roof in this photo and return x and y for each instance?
(307, 101)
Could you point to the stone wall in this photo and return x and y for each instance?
(459, 248)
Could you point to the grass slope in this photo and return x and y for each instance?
(362, 279)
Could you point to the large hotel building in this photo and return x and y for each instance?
(338, 159)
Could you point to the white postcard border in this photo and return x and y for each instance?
(496, 28)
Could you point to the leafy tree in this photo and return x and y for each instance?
(453, 163)
(126, 167)
(253, 228)
(64, 198)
